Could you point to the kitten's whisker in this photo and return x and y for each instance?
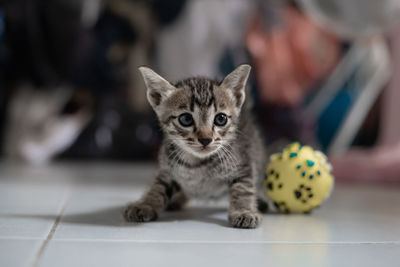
(174, 162)
(223, 165)
(230, 148)
(177, 155)
(172, 159)
(180, 158)
(227, 160)
(219, 158)
(233, 160)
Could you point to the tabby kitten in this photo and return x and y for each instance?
(211, 146)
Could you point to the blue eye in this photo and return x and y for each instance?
(220, 119)
(185, 119)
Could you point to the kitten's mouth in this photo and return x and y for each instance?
(203, 151)
(207, 149)
(198, 150)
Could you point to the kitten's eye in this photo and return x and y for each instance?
(186, 119)
(220, 119)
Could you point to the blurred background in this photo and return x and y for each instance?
(325, 72)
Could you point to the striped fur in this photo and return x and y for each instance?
(233, 162)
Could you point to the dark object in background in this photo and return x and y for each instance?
(41, 37)
(45, 45)
(115, 132)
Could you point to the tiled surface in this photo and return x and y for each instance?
(18, 252)
(227, 254)
(74, 212)
(97, 216)
(29, 210)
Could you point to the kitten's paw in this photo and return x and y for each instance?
(139, 213)
(245, 219)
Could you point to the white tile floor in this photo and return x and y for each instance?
(70, 215)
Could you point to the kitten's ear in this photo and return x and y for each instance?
(158, 89)
(236, 82)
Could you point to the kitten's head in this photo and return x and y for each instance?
(198, 114)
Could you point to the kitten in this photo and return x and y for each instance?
(211, 147)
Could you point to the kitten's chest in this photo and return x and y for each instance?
(202, 183)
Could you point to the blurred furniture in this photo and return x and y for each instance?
(361, 22)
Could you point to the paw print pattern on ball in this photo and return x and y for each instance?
(273, 182)
(303, 193)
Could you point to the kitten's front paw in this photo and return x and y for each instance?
(139, 213)
(245, 219)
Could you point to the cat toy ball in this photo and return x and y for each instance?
(298, 179)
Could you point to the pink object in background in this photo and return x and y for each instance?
(289, 59)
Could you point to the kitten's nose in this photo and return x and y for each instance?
(205, 141)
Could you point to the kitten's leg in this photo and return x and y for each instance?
(262, 205)
(178, 199)
(156, 200)
(243, 211)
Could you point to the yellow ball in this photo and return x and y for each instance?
(298, 179)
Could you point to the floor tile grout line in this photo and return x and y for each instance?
(230, 242)
(51, 233)
(205, 241)
(20, 238)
